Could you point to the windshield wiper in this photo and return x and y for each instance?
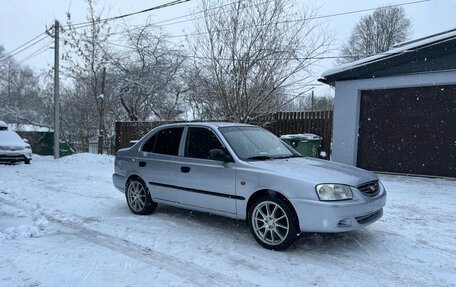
(260, 157)
(287, 156)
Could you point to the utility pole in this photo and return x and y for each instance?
(313, 102)
(101, 127)
(56, 92)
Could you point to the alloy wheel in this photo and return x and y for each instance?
(136, 196)
(270, 223)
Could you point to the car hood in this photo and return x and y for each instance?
(11, 139)
(316, 171)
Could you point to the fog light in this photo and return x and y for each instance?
(345, 223)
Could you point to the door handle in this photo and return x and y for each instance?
(185, 169)
(142, 163)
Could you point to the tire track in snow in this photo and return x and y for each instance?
(197, 275)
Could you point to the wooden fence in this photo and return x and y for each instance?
(316, 122)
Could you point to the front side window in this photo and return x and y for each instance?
(166, 141)
(255, 143)
(200, 141)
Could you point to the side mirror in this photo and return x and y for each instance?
(26, 140)
(218, 154)
(133, 142)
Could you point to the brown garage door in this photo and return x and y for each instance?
(410, 130)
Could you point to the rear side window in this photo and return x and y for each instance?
(200, 141)
(164, 142)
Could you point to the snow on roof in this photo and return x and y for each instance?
(3, 124)
(28, 128)
(400, 48)
(422, 38)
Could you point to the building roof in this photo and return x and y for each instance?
(430, 53)
(28, 128)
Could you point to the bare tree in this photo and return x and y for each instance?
(77, 115)
(252, 57)
(376, 33)
(148, 70)
(86, 41)
(20, 93)
(203, 102)
(311, 102)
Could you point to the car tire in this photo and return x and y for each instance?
(273, 223)
(27, 161)
(138, 197)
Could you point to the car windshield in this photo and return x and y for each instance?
(10, 138)
(255, 143)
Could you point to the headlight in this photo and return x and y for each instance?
(327, 192)
(11, 148)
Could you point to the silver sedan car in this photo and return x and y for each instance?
(245, 172)
(12, 147)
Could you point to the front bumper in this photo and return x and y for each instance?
(7, 156)
(339, 216)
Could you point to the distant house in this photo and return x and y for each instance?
(40, 138)
(396, 111)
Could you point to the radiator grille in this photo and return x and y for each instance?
(370, 188)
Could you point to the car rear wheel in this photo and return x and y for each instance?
(272, 223)
(138, 197)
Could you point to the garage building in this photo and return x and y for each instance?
(396, 111)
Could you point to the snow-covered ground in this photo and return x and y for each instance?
(62, 223)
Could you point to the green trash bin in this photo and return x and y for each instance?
(305, 144)
(65, 149)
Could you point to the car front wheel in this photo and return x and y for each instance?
(138, 197)
(273, 223)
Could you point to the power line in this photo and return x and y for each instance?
(25, 46)
(89, 23)
(370, 9)
(194, 13)
(281, 22)
(10, 53)
(315, 17)
(34, 40)
(310, 18)
(37, 52)
(295, 58)
(191, 14)
(244, 7)
(203, 11)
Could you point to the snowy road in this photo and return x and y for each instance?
(63, 224)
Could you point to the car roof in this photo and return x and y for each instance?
(3, 124)
(208, 124)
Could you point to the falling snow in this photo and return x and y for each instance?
(63, 225)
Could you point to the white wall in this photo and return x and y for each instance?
(347, 103)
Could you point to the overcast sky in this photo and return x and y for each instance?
(21, 20)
